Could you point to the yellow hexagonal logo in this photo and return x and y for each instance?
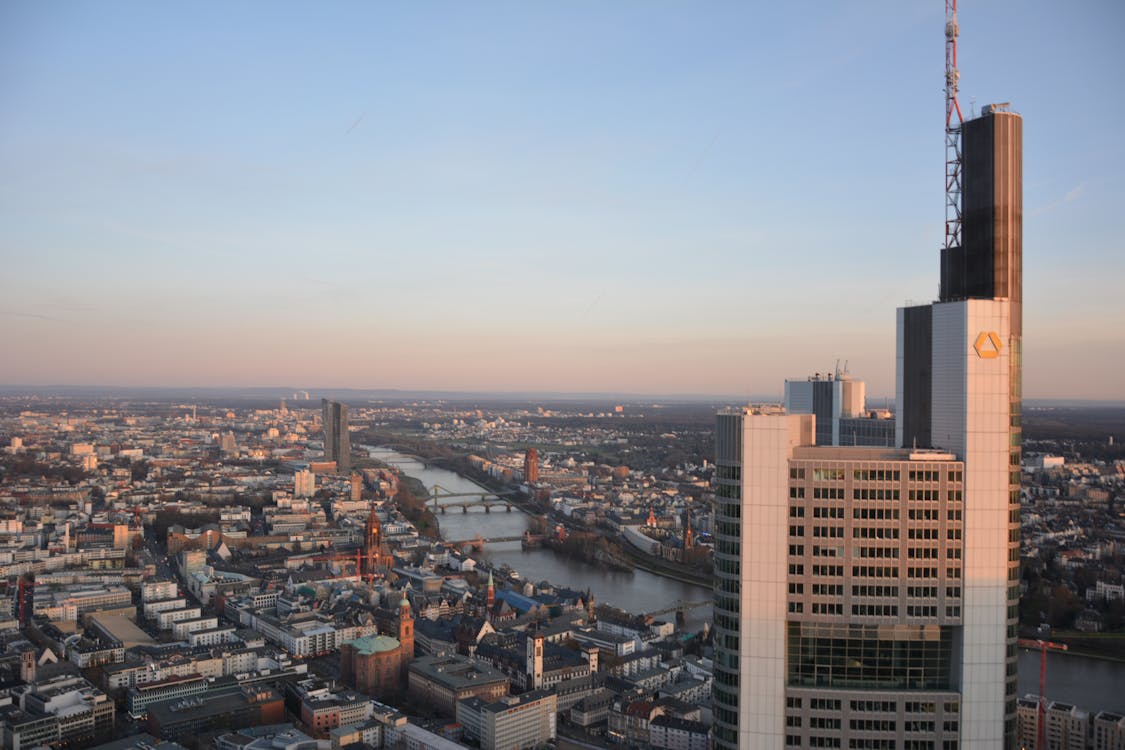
(987, 345)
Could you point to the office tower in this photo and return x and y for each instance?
(840, 405)
(531, 466)
(959, 386)
(838, 599)
(304, 483)
(868, 597)
(337, 441)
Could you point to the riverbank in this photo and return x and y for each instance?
(665, 570)
(1109, 647)
(412, 501)
(632, 558)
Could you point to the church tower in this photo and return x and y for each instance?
(373, 560)
(406, 632)
(534, 664)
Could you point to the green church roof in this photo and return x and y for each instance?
(374, 644)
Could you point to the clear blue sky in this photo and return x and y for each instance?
(655, 197)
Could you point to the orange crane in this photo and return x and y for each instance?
(1041, 722)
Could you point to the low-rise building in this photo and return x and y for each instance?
(182, 719)
(515, 721)
(1108, 731)
(61, 710)
(323, 712)
(677, 734)
(441, 681)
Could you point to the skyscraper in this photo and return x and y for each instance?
(531, 466)
(839, 402)
(337, 441)
(868, 597)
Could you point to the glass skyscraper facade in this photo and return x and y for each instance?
(868, 597)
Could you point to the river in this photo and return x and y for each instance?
(1091, 684)
(636, 592)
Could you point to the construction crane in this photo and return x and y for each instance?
(1041, 719)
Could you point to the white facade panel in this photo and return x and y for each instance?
(971, 419)
(767, 443)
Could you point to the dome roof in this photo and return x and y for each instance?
(374, 644)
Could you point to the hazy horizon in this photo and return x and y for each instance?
(633, 197)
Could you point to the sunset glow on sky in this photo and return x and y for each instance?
(629, 197)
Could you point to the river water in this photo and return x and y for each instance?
(636, 592)
(1091, 684)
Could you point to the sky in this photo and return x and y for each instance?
(628, 196)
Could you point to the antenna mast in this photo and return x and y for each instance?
(952, 130)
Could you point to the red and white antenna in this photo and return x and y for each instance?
(952, 130)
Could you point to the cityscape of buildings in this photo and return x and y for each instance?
(325, 573)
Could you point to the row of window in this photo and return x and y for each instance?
(864, 493)
(875, 610)
(823, 474)
(875, 514)
(878, 706)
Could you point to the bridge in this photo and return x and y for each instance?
(679, 607)
(488, 505)
(487, 499)
(478, 542)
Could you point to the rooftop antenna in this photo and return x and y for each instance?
(952, 130)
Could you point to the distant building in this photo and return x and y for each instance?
(839, 403)
(337, 440)
(531, 466)
(304, 483)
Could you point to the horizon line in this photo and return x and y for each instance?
(280, 391)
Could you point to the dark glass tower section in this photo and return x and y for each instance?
(989, 263)
(337, 440)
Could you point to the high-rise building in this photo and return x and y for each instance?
(304, 483)
(337, 441)
(839, 402)
(531, 466)
(868, 596)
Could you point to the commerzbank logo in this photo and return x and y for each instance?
(987, 345)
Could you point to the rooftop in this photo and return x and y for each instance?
(861, 453)
(455, 672)
(374, 644)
